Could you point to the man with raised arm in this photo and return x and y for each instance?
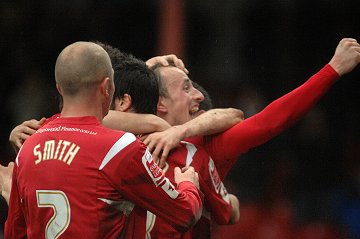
(225, 148)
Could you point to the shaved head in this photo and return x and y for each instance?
(81, 65)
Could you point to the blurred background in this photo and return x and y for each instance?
(305, 183)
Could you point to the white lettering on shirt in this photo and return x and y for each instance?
(62, 150)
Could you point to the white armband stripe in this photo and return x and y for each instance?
(191, 152)
(123, 142)
(17, 156)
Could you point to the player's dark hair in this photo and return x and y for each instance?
(132, 76)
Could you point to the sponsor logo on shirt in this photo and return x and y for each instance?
(218, 184)
(157, 175)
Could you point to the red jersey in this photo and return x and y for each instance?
(225, 148)
(216, 199)
(75, 178)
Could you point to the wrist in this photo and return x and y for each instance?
(182, 131)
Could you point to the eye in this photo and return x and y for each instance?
(186, 87)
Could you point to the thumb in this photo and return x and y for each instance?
(177, 170)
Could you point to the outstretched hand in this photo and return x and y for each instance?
(161, 143)
(166, 60)
(23, 131)
(346, 57)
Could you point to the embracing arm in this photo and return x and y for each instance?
(134, 123)
(210, 122)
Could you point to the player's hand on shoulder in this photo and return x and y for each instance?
(23, 131)
(161, 143)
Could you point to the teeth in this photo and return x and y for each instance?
(194, 110)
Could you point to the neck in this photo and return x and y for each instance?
(79, 109)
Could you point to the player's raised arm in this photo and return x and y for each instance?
(282, 113)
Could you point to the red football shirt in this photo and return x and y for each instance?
(75, 178)
(216, 199)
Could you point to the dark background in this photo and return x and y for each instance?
(245, 53)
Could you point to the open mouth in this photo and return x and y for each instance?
(194, 109)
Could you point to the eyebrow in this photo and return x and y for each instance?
(187, 80)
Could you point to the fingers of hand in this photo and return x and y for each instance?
(150, 145)
(146, 141)
(42, 121)
(163, 160)
(177, 62)
(143, 138)
(164, 62)
(184, 168)
(18, 144)
(156, 160)
(156, 153)
(177, 170)
(189, 169)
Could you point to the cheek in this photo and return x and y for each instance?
(181, 107)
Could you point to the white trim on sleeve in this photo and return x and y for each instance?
(122, 143)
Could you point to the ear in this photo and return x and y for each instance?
(105, 87)
(58, 88)
(124, 103)
(161, 105)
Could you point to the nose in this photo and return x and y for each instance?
(197, 95)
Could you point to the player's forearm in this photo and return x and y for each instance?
(287, 110)
(211, 122)
(283, 112)
(134, 123)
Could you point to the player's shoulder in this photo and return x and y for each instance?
(112, 133)
(122, 138)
